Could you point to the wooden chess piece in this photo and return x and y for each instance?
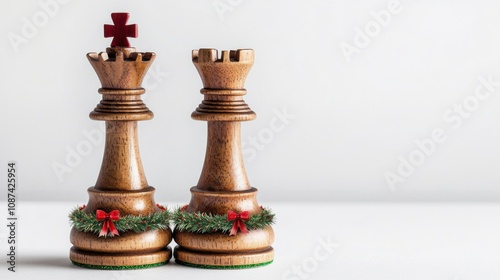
(223, 189)
(121, 197)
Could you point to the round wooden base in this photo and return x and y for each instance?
(127, 242)
(223, 260)
(120, 261)
(222, 251)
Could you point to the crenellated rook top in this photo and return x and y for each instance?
(223, 84)
(211, 55)
(227, 72)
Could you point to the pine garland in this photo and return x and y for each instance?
(207, 222)
(184, 221)
(87, 222)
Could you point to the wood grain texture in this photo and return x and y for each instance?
(219, 202)
(128, 242)
(223, 169)
(223, 184)
(255, 240)
(121, 184)
(120, 259)
(121, 167)
(226, 260)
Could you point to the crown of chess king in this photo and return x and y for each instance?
(120, 57)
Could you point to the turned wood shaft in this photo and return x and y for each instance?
(121, 167)
(223, 169)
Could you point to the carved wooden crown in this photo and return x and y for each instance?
(121, 68)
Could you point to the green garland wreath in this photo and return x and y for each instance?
(184, 221)
(87, 222)
(206, 222)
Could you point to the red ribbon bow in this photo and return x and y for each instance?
(238, 221)
(108, 224)
(162, 208)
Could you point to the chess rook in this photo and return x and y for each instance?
(223, 185)
(121, 184)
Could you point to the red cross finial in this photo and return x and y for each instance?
(120, 31)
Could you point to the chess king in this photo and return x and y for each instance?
(223, 226)
(121, 226)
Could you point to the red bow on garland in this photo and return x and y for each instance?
(107, 224)
(238, 221)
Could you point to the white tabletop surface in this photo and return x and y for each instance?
(361, 241)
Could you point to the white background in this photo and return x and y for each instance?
(354, 115)
(352, 119)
